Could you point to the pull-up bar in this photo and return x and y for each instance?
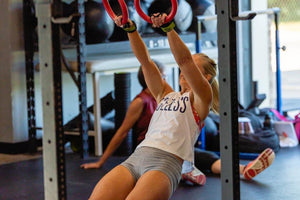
(243, 14)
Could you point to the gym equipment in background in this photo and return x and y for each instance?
(98, 25)
(203, 8)
(184, 16)
(122, 101)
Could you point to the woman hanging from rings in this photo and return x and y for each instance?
(153, 171)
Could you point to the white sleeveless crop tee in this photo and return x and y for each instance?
(173, 127)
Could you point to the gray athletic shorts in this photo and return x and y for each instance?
(146, 159)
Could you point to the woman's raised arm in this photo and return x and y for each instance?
(189, 68)
(155, 83)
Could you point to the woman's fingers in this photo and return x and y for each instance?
(158, 19)
(118, 20)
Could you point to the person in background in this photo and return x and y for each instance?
(137, 118)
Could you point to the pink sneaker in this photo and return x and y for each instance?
(195, 177)
(263, 161)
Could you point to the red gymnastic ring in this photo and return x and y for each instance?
(147, 18)
(111, 12)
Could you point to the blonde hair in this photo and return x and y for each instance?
(210, 67)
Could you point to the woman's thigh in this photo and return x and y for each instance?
(116, 185)
(153, 185)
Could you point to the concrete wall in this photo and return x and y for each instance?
(12, 81)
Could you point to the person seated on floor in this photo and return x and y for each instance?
(210, 162)
(137, 118)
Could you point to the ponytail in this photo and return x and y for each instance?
(215, 102)
(210, 67)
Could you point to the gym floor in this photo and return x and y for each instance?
(23, 180)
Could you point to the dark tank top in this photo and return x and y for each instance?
(141, 126)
